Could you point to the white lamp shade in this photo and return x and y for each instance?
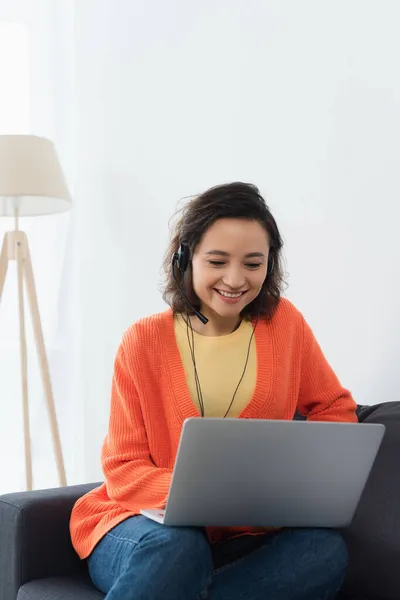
(31, 177)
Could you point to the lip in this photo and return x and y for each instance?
(230, 300)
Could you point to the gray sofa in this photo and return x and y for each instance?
(37, 561)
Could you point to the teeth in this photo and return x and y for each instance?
(229, 295)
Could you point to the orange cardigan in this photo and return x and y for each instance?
(150, 401)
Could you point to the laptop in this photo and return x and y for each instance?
(251, 472)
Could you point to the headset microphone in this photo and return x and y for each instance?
(181, 258)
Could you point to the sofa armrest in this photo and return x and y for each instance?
(374, 536)
(34, 536)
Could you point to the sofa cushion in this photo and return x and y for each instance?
(60, 588)
(78, 588)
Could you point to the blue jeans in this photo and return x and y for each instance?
(142, 560)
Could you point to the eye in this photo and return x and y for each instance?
(216, 263)
(253, 265)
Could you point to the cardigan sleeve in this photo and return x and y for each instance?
(131, 477)
(321, 396)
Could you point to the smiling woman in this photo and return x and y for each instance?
(247, 354)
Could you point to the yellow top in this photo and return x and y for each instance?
(220, 362)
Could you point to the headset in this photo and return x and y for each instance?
(181, 260)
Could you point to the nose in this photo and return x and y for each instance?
(234, 278)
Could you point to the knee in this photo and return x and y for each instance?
(332, 545)
(330, 553)
(177, 560)
(187, 547)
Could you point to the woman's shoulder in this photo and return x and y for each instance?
(145, 330)
(287, 312)
(286, 323)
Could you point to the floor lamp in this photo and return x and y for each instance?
(31, 183)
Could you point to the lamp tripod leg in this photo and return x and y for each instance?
(44, 367)
(24, 365)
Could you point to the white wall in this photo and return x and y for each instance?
(301, 98)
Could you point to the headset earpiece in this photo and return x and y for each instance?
(182, 257)
(181, 260)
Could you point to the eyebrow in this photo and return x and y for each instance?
(223, 253)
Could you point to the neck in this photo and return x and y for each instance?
(216, 325)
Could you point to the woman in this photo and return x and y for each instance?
(230, 347)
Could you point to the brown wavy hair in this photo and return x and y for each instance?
(233, 200)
